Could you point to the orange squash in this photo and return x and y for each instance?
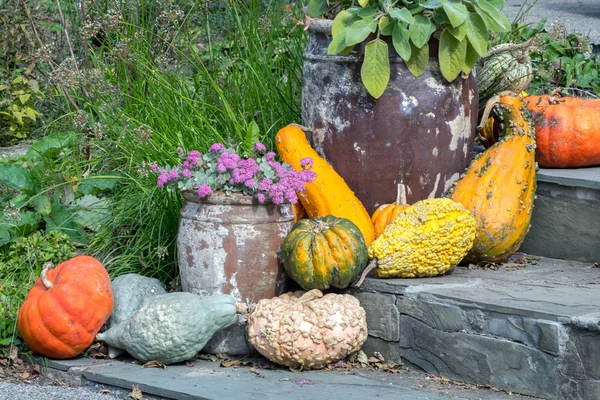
(66, 308)
(567, 131)
(386, 213)
(499, 185)
(328, 194)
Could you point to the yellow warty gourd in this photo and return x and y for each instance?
(427, 239)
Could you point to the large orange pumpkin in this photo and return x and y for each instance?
(66, 308)
(567, 131)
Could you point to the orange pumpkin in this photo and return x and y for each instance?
(66, 308)
(567, 131)
(386, 213)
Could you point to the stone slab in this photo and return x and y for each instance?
(207, 381)
(588, 178)
(565, 220)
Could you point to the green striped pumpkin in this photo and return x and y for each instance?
(324, 251)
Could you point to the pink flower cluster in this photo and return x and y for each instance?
(223, 169)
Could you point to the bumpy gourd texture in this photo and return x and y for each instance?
(498, 187)
(323, 252)
(427, 239)
(384, 215)
(130, 292)
(61, 321)
(307, 329)
(567, 131)
(172, 327)
(328, 194)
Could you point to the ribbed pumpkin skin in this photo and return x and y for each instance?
(62, 321)
(328, 194)
(429, 238)
(567, 133)
(499, 185)
(324, 251)
(384, 215)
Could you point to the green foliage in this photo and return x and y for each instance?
(463, 25)
(37, 195)
(20, 264)
(234, 74)
(18, 97)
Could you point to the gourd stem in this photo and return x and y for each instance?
(304, 128)
(524, 46)
(489, 106)
(372, 265)
(401, 195)
(48, 284)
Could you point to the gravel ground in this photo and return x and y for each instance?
(45, 391)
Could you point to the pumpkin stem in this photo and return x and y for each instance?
(48, 284)
(372, 265)
(401, 195)
(304, 128)
(489, 106)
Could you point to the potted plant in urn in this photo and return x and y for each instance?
(388, 91)
(236, 212)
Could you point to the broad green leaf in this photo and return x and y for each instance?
(354, 10)
(363, 2)
(98, 184)
(338, 43)
(456, 11)
(386, 26)
(497, 3)
(452, 54)
(359, 30)
(19, 200)
(343, 20)
(368, 11)
(433, 4)
(494, 19)
(419, 60)
(51, 145)
(416, 9)
(317, 8)
(62, 219)
(401, 14)
(477, 33)
(420, 30)
(24, 97)
(4, 233)
(27, 223)
(440, 17)
(18, 178)
(41, 204)
(470, 60)
(401, 42)
(91, 211)
(375, 71)
(459, 32)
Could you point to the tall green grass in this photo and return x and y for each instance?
(241, 62)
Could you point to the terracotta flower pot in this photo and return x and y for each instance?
(419, 133)
(230, 245)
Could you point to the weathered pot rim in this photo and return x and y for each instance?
(320, 25)
(219, 197)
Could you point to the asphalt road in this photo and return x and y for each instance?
(582, 16)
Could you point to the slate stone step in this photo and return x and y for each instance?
(529, 329)
(565, 222)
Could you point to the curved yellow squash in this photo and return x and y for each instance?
(426, 239)
(328, 194)
(499, 186)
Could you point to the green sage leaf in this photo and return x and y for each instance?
(359, 30)
(470, 60)
(367, 12)
(494, 19)
(497, 3)
(375, 71)
(18, 178)
(459, 32)
(338, 43)
(401, 14)
(317, 8)
(363, 2)
(419, 59)
(400, 40)
(343, 20)
(477, 33)
(420, 30)
(456, 11)
(386, 27)
(433, 4)
(451, 55)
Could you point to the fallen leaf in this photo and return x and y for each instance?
(284, 380)
(379, 356)
(596, 265)
(104, 391)
(154, 364)
(255, 370)
(594, 282)
(136, 393)
(37, 369)
(362, 357)
(222, 356)
(209, 357)
(296, 370)
(189, 363)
